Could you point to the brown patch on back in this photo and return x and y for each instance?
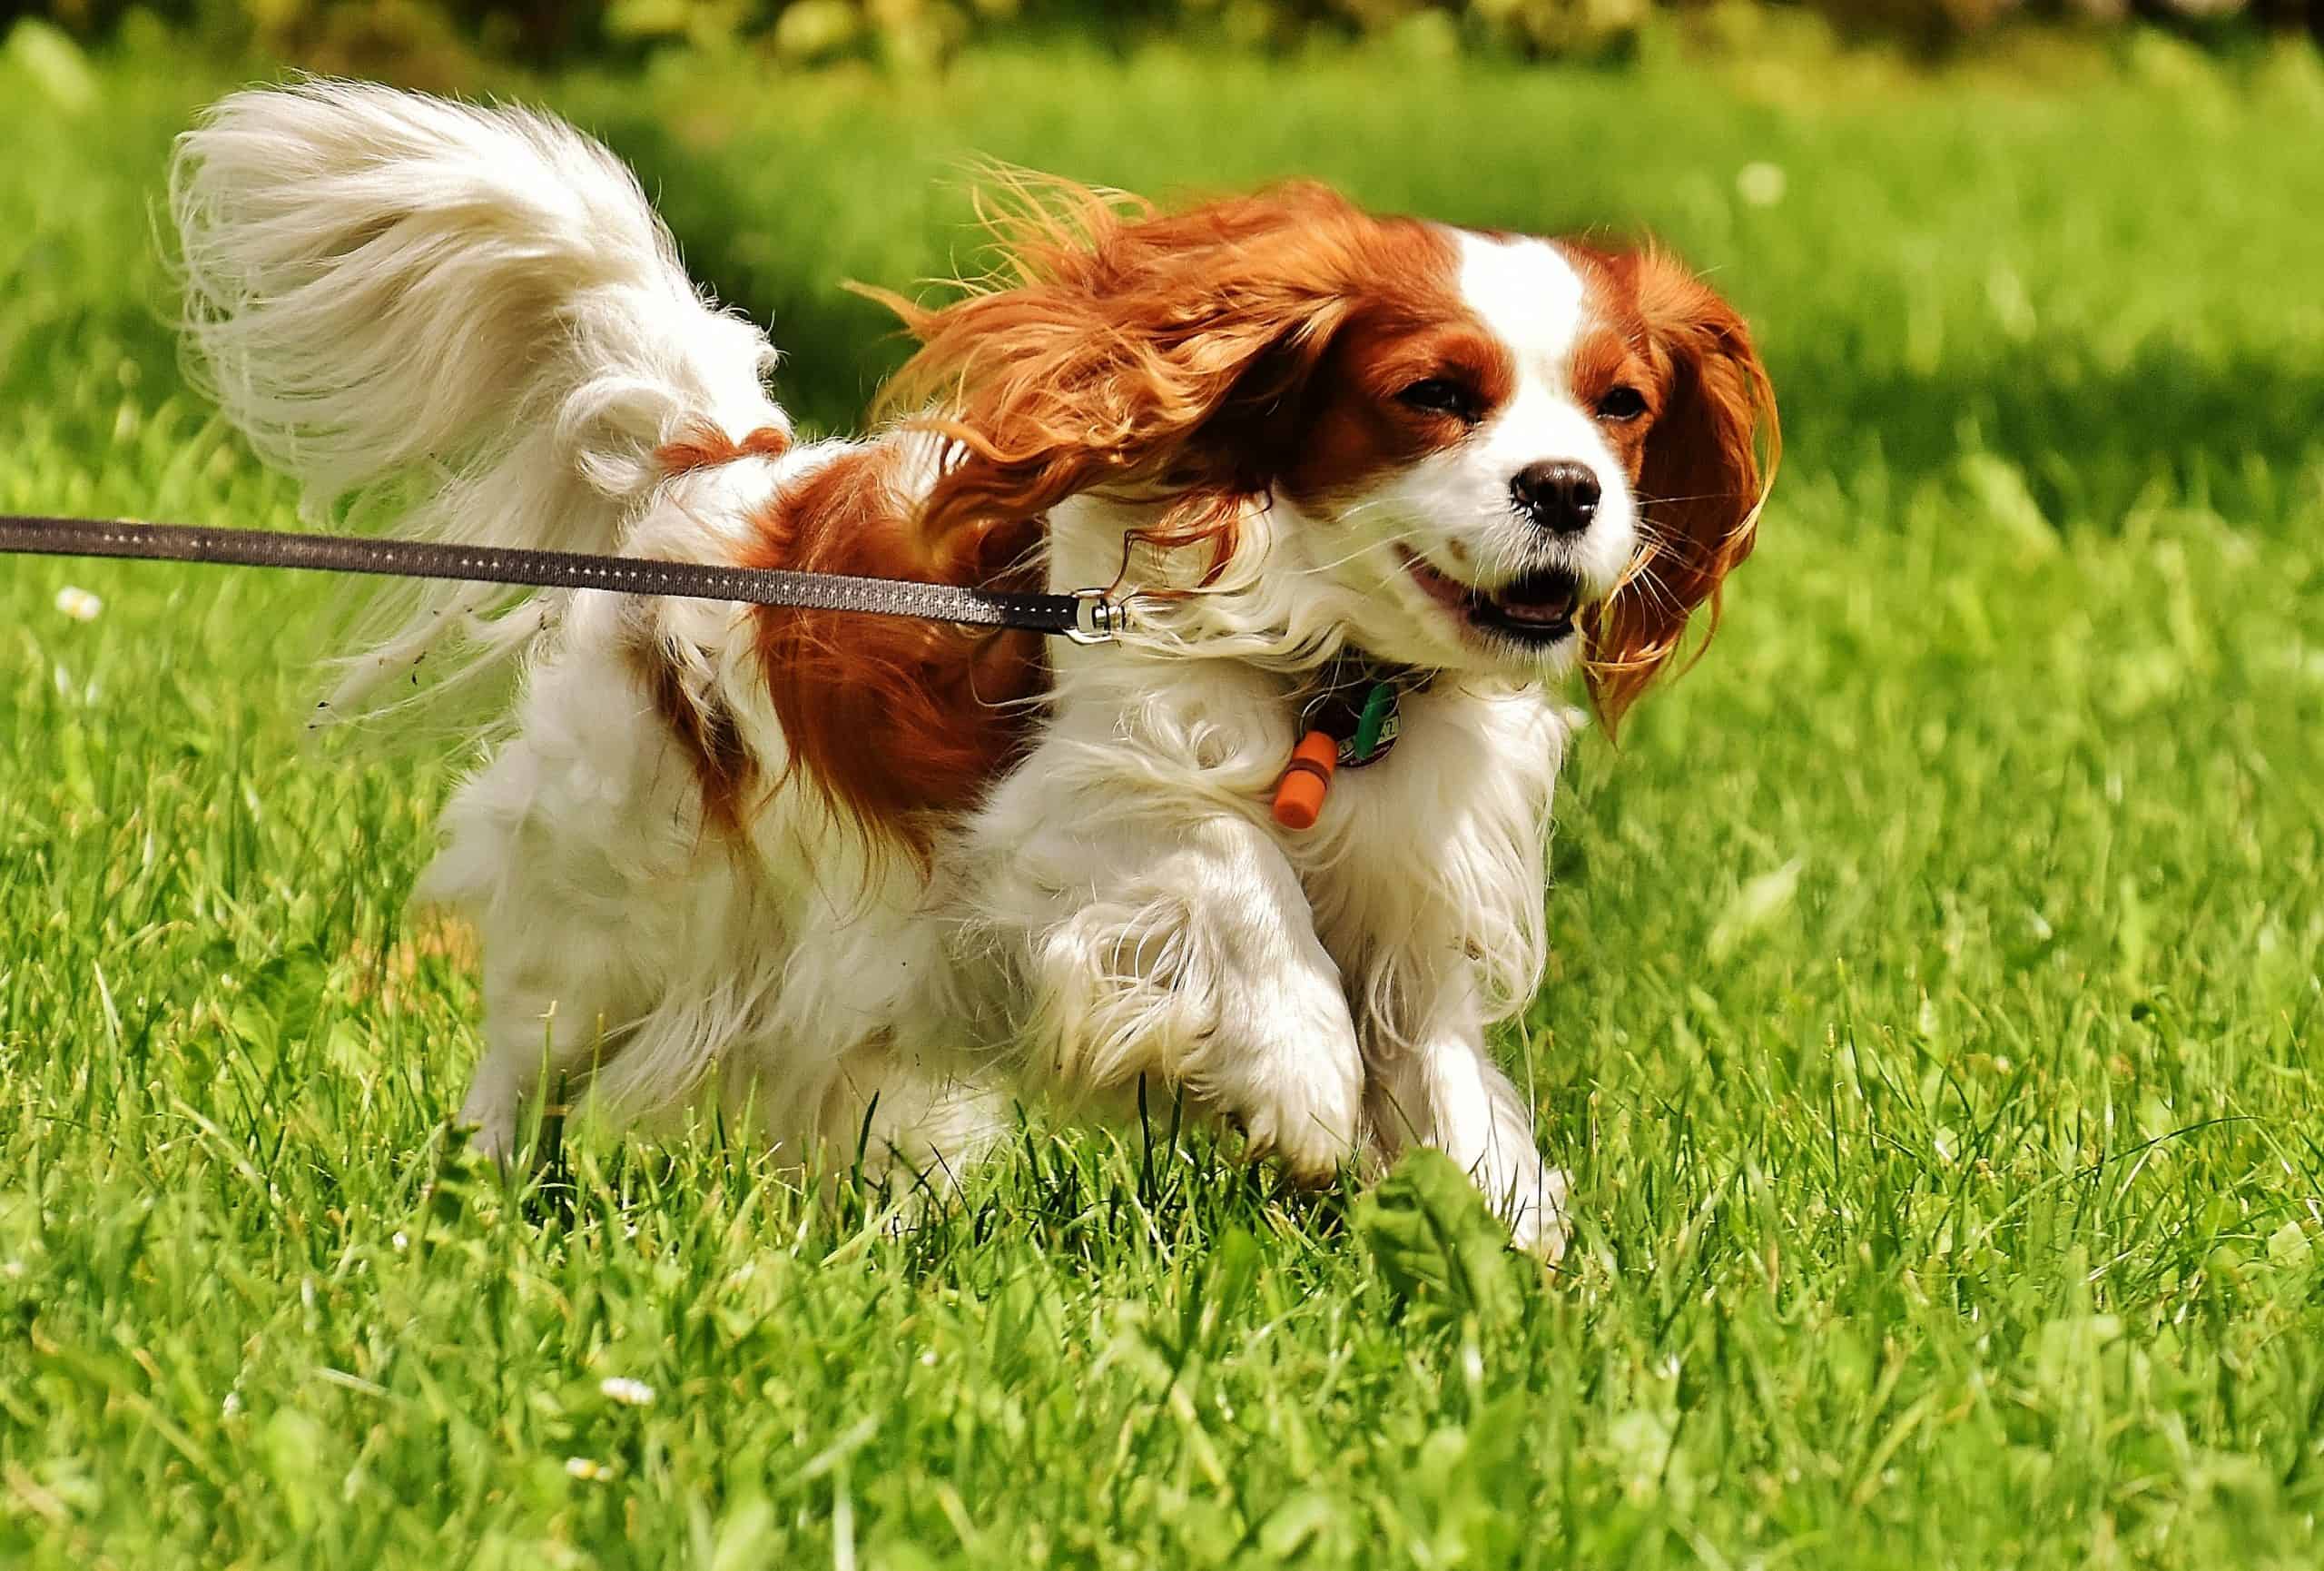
(897, 721)
(706, 445)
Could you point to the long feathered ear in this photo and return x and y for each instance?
(1708, 461)
(1114, 347)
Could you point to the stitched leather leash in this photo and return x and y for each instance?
(1350, 721)
(1084, 616)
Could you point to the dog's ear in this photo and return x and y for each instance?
(1117, 348)
(1708, 460)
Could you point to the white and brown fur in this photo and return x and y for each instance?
(853, 874)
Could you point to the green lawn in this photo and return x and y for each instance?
(1933, 1030)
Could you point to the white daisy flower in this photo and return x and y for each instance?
(630, 1393)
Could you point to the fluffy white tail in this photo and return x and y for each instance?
(467, 324)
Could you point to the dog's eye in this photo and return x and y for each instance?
(1621, 404)
(1441, 396)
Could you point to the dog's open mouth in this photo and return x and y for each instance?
(1536, 609)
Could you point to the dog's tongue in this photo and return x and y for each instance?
(1535, 602)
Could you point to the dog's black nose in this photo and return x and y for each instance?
(1557, 494)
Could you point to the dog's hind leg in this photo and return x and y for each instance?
(561, 855)
(917, 1128)
(540, 1026)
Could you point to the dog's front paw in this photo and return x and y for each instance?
(1310, 1121)
(1285, 1068)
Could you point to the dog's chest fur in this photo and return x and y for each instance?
(1425, 869)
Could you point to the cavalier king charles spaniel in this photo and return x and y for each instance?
(865, 879)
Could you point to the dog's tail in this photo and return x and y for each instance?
(466, 324)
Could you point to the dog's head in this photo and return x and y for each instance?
(1480, 452)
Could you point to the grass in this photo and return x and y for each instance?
(1932, 1034)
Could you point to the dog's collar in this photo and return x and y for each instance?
(1357, 702)
(1350, 715)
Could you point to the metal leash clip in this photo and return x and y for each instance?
(1097, 617)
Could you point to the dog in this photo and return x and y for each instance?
(864, 880)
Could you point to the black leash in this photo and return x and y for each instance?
(1085, 615)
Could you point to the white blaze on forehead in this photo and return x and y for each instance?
(1531, 298)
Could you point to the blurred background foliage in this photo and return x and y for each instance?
(446, 42)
